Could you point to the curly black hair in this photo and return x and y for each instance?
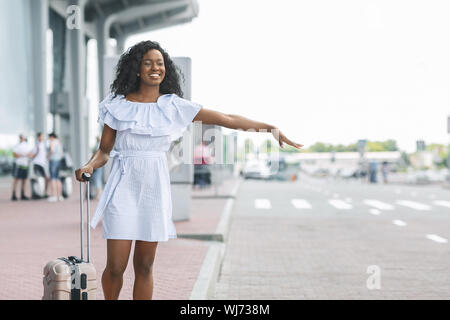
(129, 65)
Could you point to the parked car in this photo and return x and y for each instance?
(418, 177)
(6, 165)
(347, 173)
(284, 171)
(321, 172)
(256, 169)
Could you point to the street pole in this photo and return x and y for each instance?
(361, 148)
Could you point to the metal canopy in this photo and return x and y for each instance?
(125, 17)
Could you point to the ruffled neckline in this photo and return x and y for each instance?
(169, 115)
(122, 97)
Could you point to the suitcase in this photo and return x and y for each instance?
(72, 278)
(37, 187)
(66, 183)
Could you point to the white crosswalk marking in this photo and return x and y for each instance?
(442, 203)
(340, 204)
(378, 204)
(436, 238)
(262, 204)
(301, 204)
(414, 205)
(399, 223)
(375, 211)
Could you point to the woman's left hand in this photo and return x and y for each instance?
(282, 138)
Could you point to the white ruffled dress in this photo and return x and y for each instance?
(136, 203)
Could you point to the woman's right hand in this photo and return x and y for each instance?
(85, 169)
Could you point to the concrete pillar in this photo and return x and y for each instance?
(39, 17)
(101, 52)
(79, 115)
(120, 45)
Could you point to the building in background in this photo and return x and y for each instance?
(44, 70)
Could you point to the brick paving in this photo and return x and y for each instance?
(34, 232)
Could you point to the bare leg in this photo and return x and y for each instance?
(144, 256)
(118, 252)
(47, 182)
(22, 186)
(52, 187)
(15, 183)
(58, 188)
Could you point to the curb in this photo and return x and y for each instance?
(205, 284)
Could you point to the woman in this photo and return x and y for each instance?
(144, 113)
(55, 157)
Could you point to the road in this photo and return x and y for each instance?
(318, 238)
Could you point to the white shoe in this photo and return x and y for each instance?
(52, 199)
(60, 198)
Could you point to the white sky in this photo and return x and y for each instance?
(328, 71)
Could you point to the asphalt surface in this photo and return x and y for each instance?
(319, 238)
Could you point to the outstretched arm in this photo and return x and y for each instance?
(234, 121)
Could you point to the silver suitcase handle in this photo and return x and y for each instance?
(86, 177)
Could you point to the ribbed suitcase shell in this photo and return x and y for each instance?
(72, 278)
(58, 279)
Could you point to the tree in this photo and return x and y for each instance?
(249, 146)
(266, 146)
(377, 146)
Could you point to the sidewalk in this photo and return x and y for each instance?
(34, 232)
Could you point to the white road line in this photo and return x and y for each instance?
(301, 204)
(436, 238)
(442, 203)
(378, 204)
(399, 223)
(340, 204)
(414, 205)
(375, 211)
(262, 204)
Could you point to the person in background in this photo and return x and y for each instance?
(202, 158)
(97, 175)
(373, 171)
(40, 162)
(385, 170)
(22, 152)
(55, 156)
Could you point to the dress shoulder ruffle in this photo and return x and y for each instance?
(170, 115)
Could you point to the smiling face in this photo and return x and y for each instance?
(152, 68)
